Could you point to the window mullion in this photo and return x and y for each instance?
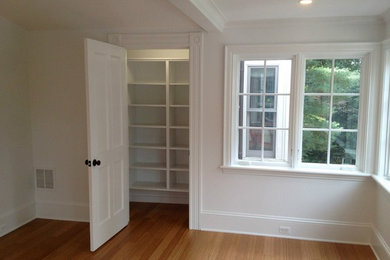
(263, 113)
(330, 115)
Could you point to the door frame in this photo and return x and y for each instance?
(193, 42)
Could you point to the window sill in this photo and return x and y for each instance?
(296, 173)
(383, 182)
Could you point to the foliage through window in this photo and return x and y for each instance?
(331, 111)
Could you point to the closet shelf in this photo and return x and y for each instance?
(148, 186)
(147, 105)
(179, 127)
(184, 106)
(148, 126)
(179, 83)
(179, 167)
(158, 104)
(179, 187)
(185, 148)
(147, 83)
(150, 166)
(147, 146)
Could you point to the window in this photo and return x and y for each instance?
(263, 114)
(331, 111)
(301, 107)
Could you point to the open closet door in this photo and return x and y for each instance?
(107, 140)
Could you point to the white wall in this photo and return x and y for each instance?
(313, 208)
(59, 132)
(16, 169)
(59, 129)
(381, 223)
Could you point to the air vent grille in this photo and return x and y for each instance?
(44, 178)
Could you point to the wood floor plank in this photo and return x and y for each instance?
(160, 231)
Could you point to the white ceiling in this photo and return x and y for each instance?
(163, 15)
(244, 10)
(95, 14)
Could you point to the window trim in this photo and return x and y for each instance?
(298, 53)
(246, 108)
(384, 132)
(361, 116)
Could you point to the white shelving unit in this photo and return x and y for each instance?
(159, 122)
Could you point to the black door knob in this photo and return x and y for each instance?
(88, 163)
(95, 162)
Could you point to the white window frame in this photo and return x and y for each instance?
(384, 135)
(298, 53)
(231, 104)
(361, 118)
(245, 138)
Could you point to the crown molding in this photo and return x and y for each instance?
(349, 20)
(203, 12)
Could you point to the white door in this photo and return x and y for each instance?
(107, 140)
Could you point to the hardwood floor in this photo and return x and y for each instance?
(159, 231)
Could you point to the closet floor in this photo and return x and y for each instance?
(160, 231)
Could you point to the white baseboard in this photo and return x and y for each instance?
(379, 245)
(16, 218)
(159, 196)
(62, 211)
(306, 229)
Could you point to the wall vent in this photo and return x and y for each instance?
(44, 178)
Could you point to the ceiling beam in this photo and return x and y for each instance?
(202, 12)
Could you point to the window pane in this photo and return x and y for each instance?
(270, 102)
(276, 144)
(271, 80)
(240, 144)
(256, 101)
(316, 112)
(314, 146)
(256, 80)
(282, 70)
(255, 119)
(347, 76)
(269, 143)
(270, 119)
(240, 110)
(257, 110)
(254, 139)
(282, 108)
(345, 112)
(318, 76)
(343, 148)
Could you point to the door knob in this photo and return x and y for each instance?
(95, 162)
(88, 163)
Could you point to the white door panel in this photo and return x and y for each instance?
(107, 140)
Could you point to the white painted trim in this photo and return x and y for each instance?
(301, 22)
(203, 12)
(383, 163)
(193, 41)
(158, 197)
(150, 41)
(196, 79)
(288, 172)
(17, 217)
(301, 228)
(62, 211)
(369, 52)
(383, 183)
(379, 245)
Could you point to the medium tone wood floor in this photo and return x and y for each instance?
(159, 231)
